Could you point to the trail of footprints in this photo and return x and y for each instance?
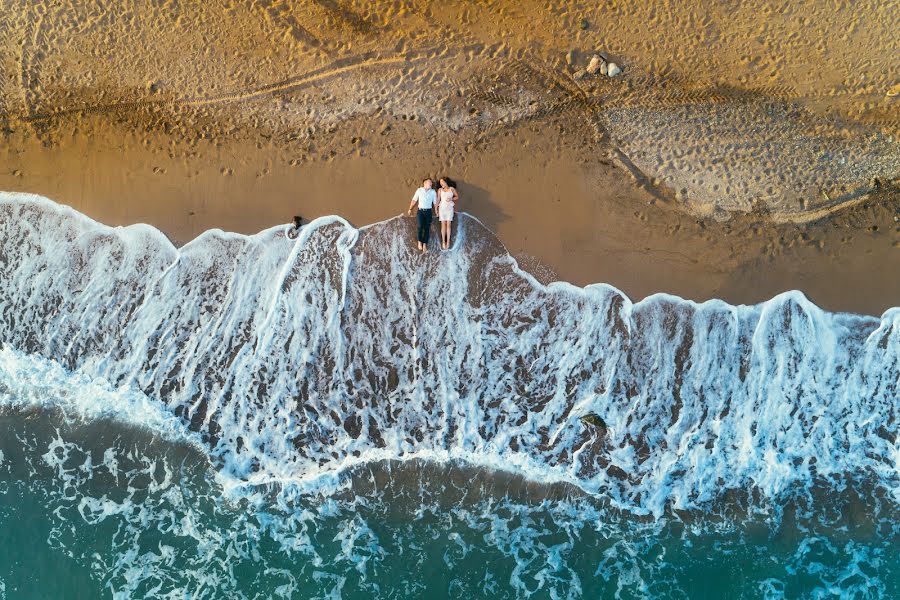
(28, 64)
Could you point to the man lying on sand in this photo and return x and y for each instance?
(426, 199)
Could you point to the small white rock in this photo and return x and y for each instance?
(604, 68)
(613, 69)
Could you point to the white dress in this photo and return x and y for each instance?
(445, 208)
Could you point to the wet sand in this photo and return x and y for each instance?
(735, 157)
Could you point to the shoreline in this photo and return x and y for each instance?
(328, 219)
(562, 217)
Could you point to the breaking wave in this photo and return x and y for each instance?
(292, 362)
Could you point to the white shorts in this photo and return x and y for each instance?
(445, 212)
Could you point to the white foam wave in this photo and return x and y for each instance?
(297, 359)
(30, 381)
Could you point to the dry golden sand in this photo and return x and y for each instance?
(734, 157)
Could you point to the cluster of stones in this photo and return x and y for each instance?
(598, 65)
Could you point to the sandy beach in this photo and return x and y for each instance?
(734, 157)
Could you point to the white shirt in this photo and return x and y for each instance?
(426, 198)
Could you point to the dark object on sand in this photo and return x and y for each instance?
(876, 184)
(595, 420)
(584, 24)
(294, 231)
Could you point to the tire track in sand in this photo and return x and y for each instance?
(335, 69)
(572, 99)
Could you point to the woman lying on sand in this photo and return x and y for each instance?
(448, 201)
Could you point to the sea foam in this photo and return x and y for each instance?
(294, 360)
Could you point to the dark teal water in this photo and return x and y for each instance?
(103, 510)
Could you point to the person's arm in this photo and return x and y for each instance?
(435, 204)
(455, 200)
(412, 203)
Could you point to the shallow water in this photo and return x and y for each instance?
(98, 508)
(339, 417)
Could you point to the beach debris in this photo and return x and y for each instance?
(594, 420)
(598, 65)
(584, 24)
(595, 65)
(894, 91)
(826, 196)
(876, 184)
(570, 57)
(294, 228)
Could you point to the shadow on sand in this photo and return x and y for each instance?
(477, 202)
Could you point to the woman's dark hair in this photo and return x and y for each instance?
(296, 221)
(450, 182)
